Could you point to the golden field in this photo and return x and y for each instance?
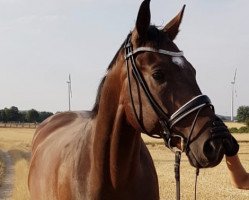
(234, 125)
(2, 168)
(16, 141)
(213, 183)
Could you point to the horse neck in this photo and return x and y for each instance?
(116, 144)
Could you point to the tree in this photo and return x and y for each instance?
(32, 116)
(44, 115)
(243, 113)
(14, 114)
(6, 115)
(10, 114)
(22, 116)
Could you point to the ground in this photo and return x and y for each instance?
(15, 142)
(213, 183)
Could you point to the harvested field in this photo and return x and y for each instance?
(2, 168)
(213, 183)
(234, 124)
(16, 141)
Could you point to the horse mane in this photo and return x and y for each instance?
(95, 108)
(154, 38)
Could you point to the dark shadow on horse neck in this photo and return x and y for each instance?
(116, 144)
(121, 159)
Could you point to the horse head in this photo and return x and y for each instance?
(161, 95)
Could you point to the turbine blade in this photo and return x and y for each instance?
(235, 73)
(71, 93)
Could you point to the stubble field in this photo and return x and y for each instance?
(16, 143)
(213, 183)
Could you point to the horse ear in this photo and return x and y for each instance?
(143, 19)
(172, 28)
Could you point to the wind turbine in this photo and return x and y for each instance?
(233, 91)
(69, 82)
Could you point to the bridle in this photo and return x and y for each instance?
(167, 122)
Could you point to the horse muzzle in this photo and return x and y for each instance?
(220, 142)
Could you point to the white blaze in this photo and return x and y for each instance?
(179, 61)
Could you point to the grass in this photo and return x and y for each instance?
(213, 183)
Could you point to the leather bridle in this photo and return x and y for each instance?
(167, 122)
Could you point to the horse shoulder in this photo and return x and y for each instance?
(50, 125)
(61, 145)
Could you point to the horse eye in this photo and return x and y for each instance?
(158, 76)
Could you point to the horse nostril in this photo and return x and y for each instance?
(213, 149)
(208, 149)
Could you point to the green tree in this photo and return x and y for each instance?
(22, 116)
(243, 113)
(3, 116)
(32, 116)
(14, 114)
(44, 115)
(6, 115)
(10, 114)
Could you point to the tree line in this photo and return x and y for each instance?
(13, 114)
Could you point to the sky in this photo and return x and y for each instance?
(42, 41)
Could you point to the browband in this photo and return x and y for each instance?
(149, 49)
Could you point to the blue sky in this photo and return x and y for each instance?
(42, 41)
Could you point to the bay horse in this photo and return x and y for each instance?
(149, 88)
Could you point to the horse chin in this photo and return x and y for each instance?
(193, 161)
(202, 162)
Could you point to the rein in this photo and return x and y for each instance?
(167, 122)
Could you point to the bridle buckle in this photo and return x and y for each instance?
(175, 149)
